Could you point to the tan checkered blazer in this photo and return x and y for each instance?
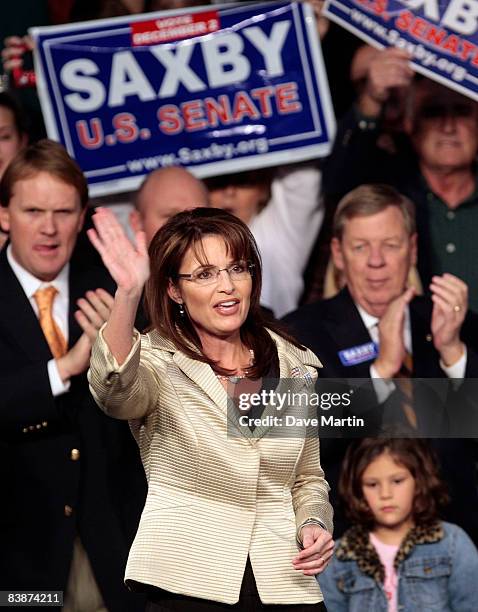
(213, 499)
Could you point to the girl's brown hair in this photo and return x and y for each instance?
(185, 231)
(414, 454)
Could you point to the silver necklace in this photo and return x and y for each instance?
(235, 378)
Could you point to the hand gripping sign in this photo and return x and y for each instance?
(441, 36)
(215, 89)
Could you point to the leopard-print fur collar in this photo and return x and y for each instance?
(355, 546)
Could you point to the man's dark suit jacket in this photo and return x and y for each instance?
(330, 326)
(49, 494)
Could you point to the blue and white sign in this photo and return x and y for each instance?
(216, 89)
(358, 354)
(441, 36)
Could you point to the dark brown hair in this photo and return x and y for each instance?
(369, 200)
(252, 178)
(19, 119)
(414, 454)
(185, 231)
(43, 156)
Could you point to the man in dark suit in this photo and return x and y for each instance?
(375, 324)
(72, 480)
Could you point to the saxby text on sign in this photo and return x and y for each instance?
(215, 89)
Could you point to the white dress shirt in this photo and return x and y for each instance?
(30, 284)
(285, 232)
(383, 388)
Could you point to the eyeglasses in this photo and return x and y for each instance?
(207, 275)
(440, 110)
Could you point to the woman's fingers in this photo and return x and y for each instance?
(315, 564)
(96, 241)
(318, 549)
(107, 226)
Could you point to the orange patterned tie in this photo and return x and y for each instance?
(56, 341)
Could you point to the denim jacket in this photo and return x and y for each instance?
(437, 567)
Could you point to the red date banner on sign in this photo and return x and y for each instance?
(440, 36)
(217, 90)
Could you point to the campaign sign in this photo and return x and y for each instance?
(441, 36)
(216, 89)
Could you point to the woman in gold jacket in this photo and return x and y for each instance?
(234, 515)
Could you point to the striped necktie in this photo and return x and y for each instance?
(404, 382)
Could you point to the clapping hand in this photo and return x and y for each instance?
(450, 303)
(390, 329)
(93, 310)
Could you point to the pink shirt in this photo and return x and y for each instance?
(386, 554)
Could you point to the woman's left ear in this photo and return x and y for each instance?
(174, 293)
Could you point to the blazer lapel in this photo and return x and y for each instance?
(294, 378)
(286, 385)
(292, 369)
(18, 317)
(76, 291)
(203, 375)
(348, 331)
(82, 279)
(425, 359)
(430, 396)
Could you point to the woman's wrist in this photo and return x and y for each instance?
(132, 296)
(309, 521)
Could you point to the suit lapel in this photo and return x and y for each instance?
(294, 378)
(76, 291)
(203, 376)
(291, 368)
(430, 397)
(348, 330)
(287, 384)
(84, 276)
(354, 333)
(17, 316)
(425, 357)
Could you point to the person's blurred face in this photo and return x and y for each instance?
(219, 309)
(43, 219)
(375, 255)
(165, 196)
(243, 201)
(389, 488)
(445, 129)
(10, 140)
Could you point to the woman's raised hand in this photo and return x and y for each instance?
(127, 263)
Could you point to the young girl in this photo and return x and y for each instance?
(398, 556)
